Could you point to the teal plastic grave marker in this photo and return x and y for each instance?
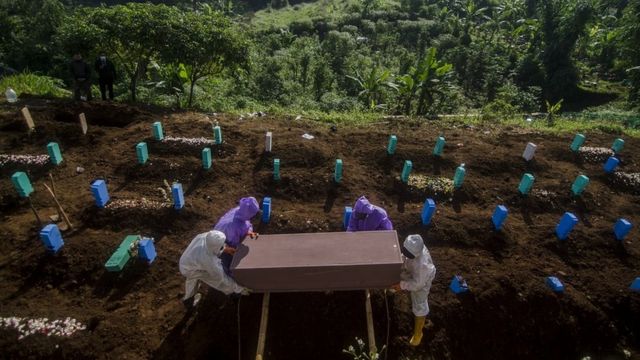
(217, 135)
(440, 142)
(406, 171)
(206, 158)
(142, 152)
(578, 140)
(458, 178)
(579, 185)
(337, 174)
(526, 184)
(54, 153)
(393, 142)
(276, 169)
(121, 256)
(22, 184)
(158, 134)
(617, 146)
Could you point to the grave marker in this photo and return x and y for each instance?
(22, 184)
(579, 185)
(458, 178)
(266, 210)
(554, 284)
(458, 285)
(206, 158)
(578, 140)
(440, 142)
(121, 256)
(146, 250)
(622, 228)
(337, 173)
(635, 285)
(529, 151)
(276, 169)
(611, 164)
(142, 152)
(566, 224)
(54, 153)
(346, 216)
(268, 141)
(427, 211)
(499, 216)
(217, 134)
(406, 171)
(158, 134)
(83, 123)
(100, 193)
(617, 145)
(51, 238)
(393, 142)
(28, 119)
(178, 196)
(526, 184)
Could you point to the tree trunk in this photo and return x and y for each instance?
(191, 86)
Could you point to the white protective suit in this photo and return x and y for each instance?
(200, 261)
(417, 274)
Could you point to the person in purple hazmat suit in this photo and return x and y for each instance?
(236, 225)
(368, 217)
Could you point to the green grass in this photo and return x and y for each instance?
(36, 85)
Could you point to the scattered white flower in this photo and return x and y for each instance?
(26, 326)
(39, 160)
(189, 141)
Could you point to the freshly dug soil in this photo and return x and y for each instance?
(508, 314)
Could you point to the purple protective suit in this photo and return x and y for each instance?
(235, 224)
(376, 218)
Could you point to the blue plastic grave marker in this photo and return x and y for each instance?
(566, 224)
(54, 153)
(579, 185)
(337, 174)
(178, 196)
(526, 184)
(611, 165)
(458, 178)
(458, 285)
(266, 210)
(554, 284)
(622, 228)
(578, 140)
(440, 142)
(499, 216)
(406, 171)
(146, 250)
(391, 148)
(276, 169)
(158, 134)
(22, 184)
(100, 193)
(617, 145)
(206, 158)
(217, 135)
(51, 238)
(346, 216)
(142, 152)
(635, 285)
(427, 211)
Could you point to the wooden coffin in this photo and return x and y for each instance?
(318, 261)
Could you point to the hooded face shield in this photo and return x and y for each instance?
(406, 253)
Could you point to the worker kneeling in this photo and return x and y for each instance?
(417, 275)
(201, 262)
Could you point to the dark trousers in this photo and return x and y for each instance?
(104, 86)
(226, 262)
(82, 87)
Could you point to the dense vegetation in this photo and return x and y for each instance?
(414, 57)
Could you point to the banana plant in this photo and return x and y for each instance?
(371, 86)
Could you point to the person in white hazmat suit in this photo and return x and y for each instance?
(417, 275)
(201, 262)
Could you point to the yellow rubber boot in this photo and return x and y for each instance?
(417, 330)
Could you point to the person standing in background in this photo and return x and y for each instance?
(106, 75)
(81, 74)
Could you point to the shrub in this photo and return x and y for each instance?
(36, 85)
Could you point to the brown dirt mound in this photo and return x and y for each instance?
(508, 314)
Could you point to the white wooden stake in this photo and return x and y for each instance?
(28, 119)
(268, 141)
(529, 151)
(83, 123)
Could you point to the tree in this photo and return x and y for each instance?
(206, 43)
(371, 86)
(628, 39)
